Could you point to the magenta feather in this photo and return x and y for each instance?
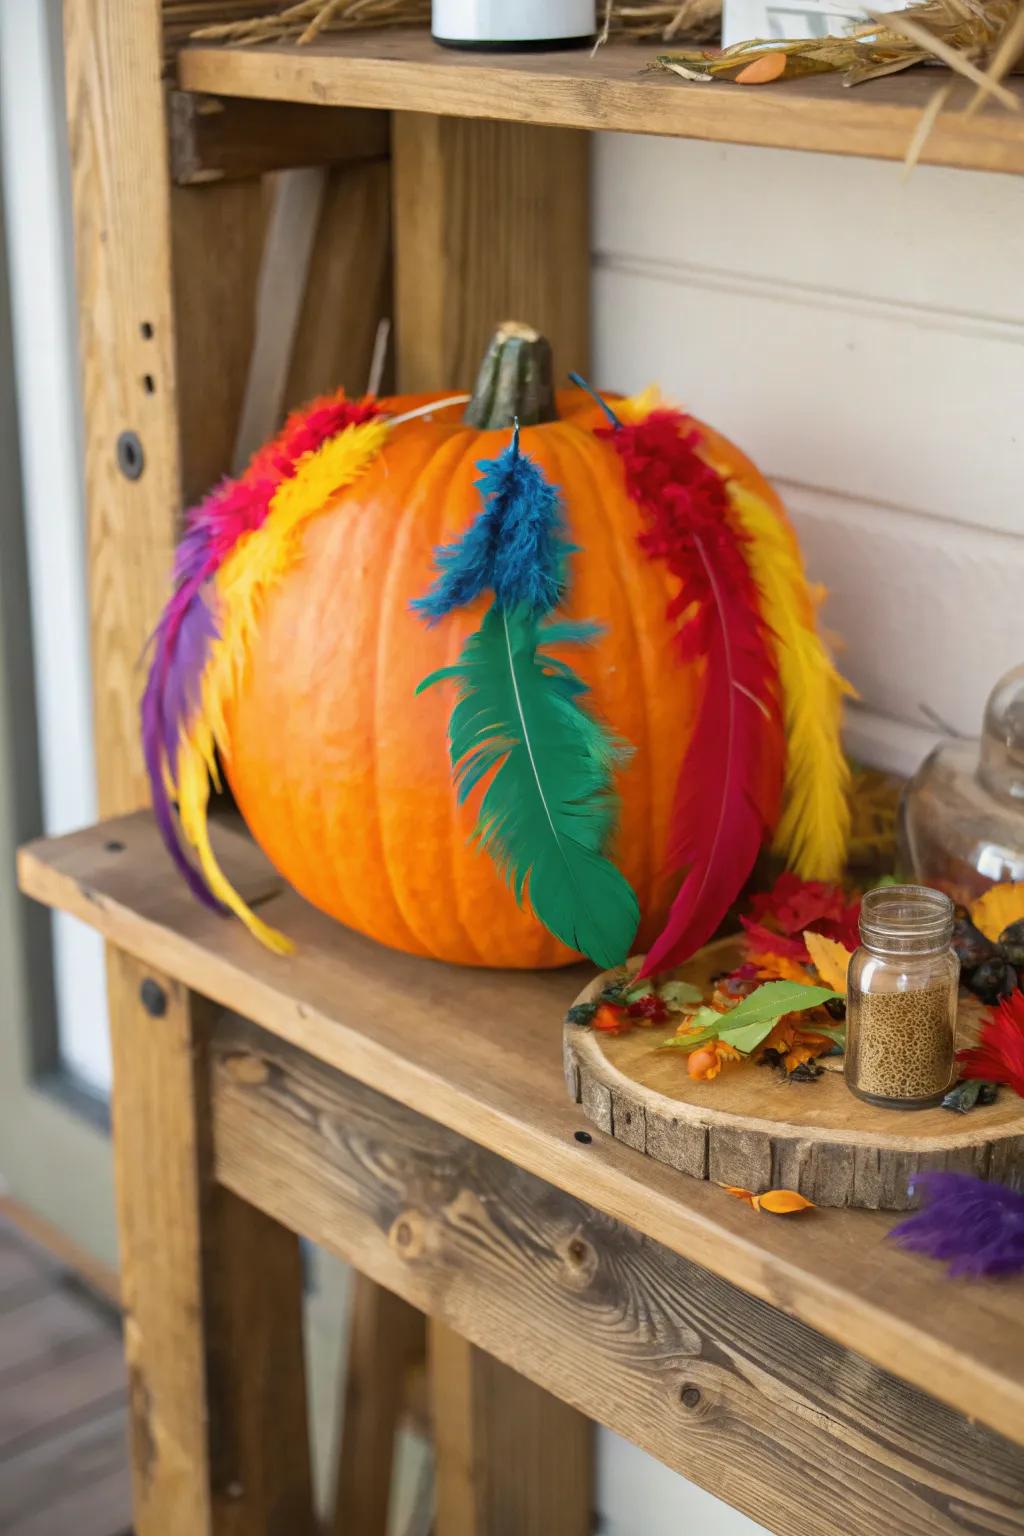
(975, 1227)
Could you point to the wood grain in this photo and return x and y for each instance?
(126, 330)
(797, 1432)
(212, 1293)
(512, 1459)
(387, 1342)
(754, 1128)
(482, 1050)
(613, 90)
(213, 139)
(348, 285)
(491, 223)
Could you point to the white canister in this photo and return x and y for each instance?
(514, 23)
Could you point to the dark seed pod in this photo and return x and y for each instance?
(836, 1008)
(992, 980)
(971, 944)
(1011, 942)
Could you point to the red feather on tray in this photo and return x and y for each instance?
(731, 780)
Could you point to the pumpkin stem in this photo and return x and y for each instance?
(515, 382)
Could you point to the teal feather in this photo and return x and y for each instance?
(550, 808)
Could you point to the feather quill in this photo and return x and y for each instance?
(731, 778)
(814, 828)
(549, 807)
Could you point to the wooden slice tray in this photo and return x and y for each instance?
(752, 1127)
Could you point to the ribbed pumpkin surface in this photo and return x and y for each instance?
(342, 773)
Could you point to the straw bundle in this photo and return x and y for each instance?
(234, 21)
(982, 40)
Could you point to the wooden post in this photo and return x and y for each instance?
(212, 1294)
(491, 222)
(511, 1459)
(212, 1288)
(387, 1338)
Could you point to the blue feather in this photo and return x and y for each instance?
(514, 547)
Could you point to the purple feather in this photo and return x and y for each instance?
(172, 696)
(975, 1227)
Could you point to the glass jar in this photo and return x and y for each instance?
(962, 816)
(901, 999)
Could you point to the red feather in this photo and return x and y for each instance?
(999, 1055)
(731, 779)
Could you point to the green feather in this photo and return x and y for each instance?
(549, 808)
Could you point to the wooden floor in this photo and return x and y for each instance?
(63, 1446)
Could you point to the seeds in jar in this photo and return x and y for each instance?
(904, 1044)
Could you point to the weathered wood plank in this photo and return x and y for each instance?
(481, 1050)
(216, 139)
(491, 223)
(511, 1459)
(613, 90)
(799, 1433)
(212, 1294)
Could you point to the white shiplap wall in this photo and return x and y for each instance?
(862, 338)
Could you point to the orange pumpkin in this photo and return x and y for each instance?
(342, 772)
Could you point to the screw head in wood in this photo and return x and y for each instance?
(131, 460)
(154, 998)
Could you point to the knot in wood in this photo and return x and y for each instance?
(251, 1071)
(408, 1235)
(580, 1261)
(690, 1396)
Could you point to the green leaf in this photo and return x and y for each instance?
(678, 993)
(747, 1037)
(774, 998)
(549, 807)
(705, 1025)
(753, 1019)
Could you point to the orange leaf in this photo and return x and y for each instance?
(1000, 906)
(830, 960)
(782, 1202)
(611, 1020)
(771, 967)
(741, 1194)
(763, 70)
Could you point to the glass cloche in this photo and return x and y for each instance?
(962, 815)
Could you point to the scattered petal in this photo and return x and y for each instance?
(783, 1202)
(763, 70)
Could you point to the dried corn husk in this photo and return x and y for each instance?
(981, 40)
(242, 21)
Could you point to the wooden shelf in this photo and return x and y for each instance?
(406, 71)
(479, 1053)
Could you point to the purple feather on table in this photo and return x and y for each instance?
(975, 1227)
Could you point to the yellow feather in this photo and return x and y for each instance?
(814, 829)
(256, 564)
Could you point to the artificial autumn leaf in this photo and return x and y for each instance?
(1000, 906)
(611, 1021)
(782, 1202)
(830, 959)
(778, 1202)
(774, 967)
(999, 1055)
(748, 1024)
(708, 1062)
(679, 994)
